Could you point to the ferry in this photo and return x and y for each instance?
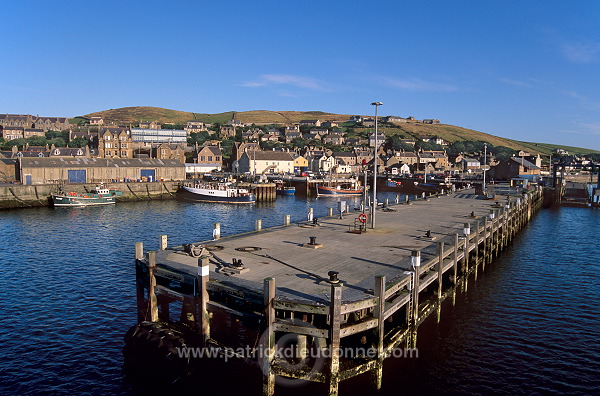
(100, 195)
(219, 192)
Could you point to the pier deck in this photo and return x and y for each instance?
(301, 271)
(286, 286)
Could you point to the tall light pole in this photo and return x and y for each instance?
(374, 207)
(484, 164)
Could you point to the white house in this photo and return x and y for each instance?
(260, 162)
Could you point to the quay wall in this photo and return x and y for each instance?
(27, 196)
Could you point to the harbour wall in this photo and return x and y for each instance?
(27, 196)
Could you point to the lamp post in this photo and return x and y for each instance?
(374, 207)
(484, 164)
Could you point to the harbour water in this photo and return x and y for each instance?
(528, 325)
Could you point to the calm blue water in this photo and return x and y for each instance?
(529, 324)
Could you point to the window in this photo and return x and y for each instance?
(107, 145)
(210, 158)
(123, 153)
(202, 158)
(217, 158)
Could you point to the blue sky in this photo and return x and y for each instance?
(525, 70)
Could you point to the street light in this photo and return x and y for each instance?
(484, 164)
(374, 207)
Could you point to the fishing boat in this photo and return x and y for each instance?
(219, 192)
(335, 191)
(100, 195)
(286, 190)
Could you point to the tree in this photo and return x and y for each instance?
(77, 142)
(58, 142)
(37, 141)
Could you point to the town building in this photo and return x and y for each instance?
(149, 136)
(114, 142)
(515, 167)
(94, 170)
(261, 162)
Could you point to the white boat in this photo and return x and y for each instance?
(219, 192)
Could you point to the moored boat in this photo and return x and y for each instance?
(219, 192)
(100, 195)
(286, 190)
(323, 191)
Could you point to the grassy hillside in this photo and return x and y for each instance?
(450, 133)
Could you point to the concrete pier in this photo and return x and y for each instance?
(332, 288)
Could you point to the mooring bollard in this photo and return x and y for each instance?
(397, 200)
(258, 224)
(310, 214)
(286, 220)
(216, 231)
(330, 212)
(163, 242)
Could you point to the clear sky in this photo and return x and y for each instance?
(526, 70)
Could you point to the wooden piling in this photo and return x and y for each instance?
(268, 346)
(416, 264)
(152, 302)
(379, 310)
(440, 267)
(455, 261)
(202, 317)
(335, 319)
(139, 250)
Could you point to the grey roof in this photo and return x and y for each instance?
(270, 155)
(82, 162)
(524, 162)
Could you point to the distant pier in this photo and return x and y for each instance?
(325, 286)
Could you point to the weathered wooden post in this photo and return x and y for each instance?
(455, 260)
(335, 318)
(379, 311)
(139, 250)
(152, 302)
(286, 220)
(467, 233)
(163, 242)
(440, 266)
(139, 283)
(268, 348)
(202, 316)
(216, 231)
(415, 261)
(477, 236)
(485, 242)
(258, 224)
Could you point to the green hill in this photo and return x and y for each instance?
(411, 130)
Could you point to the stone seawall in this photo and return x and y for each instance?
(20, 196)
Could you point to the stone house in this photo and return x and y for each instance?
(333, 138)
(195, 126)
(150, 125)
(115, 143)
(210, 157)
(227, 131)
(170, 151)
(310, 122)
